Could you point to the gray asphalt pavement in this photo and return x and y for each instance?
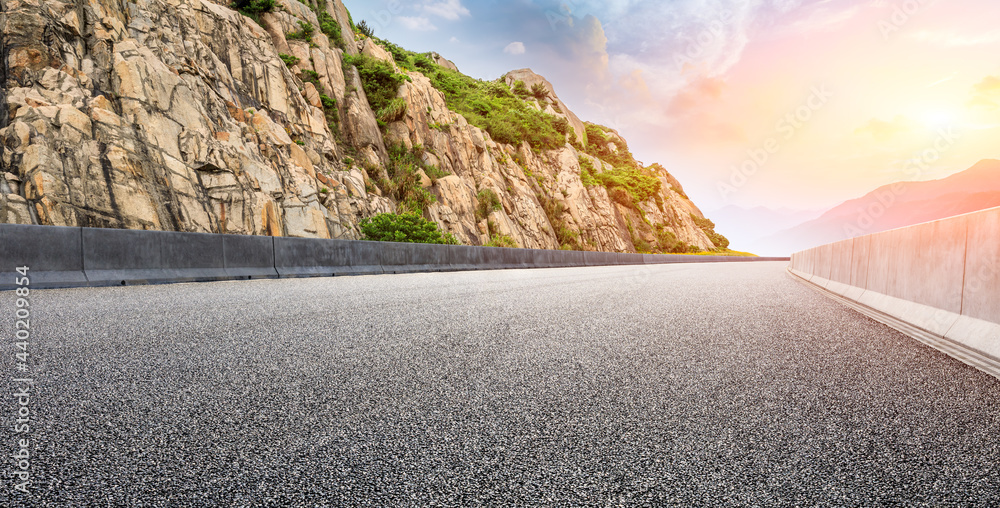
(710, 384)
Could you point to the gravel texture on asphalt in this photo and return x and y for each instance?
(704, 384)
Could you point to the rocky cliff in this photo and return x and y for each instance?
(188, 115)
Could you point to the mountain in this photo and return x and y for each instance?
(188, 115)
(745, 227)
(895, 206)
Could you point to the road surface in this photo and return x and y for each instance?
(706, 384)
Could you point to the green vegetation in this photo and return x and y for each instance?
(407, 227)
(404, 183)
(708, 227)
(539, 91)
(363, 29)
(638, 184)
(304, 33)
(599, 145)
(309, 76)
(253, 8)
(521, 90)
(588, 175)
(489, 202)
(288, 59)
(489, 105)
(381, 84)
(499, 240)
(392, 111)
(331, 29)
(667, 242)
(567, 238)
(330, 113)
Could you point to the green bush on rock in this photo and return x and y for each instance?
(406, 227)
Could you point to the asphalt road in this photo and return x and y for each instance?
(711, 384)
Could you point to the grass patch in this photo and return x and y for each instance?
(498, 240)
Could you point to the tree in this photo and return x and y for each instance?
(365, 30)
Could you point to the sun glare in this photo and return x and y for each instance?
(938, 118)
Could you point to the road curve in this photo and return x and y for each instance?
(705, 384)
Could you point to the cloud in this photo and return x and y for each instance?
(701, 92)
(696, 114)
(447, 9)
(883, 130)
(420, 24)
(454, 40)
(986, 93)
(514, 48)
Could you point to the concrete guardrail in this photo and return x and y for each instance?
(938, 282)
(73, 257)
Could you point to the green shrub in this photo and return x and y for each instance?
(489, 202)
(588, 173)
(539, 91)
(288, 59)
(637, 183)
(620, 196)
(708, 227)
(554, 211)
(521, 90)
(331, 29)
(253, 8)
(599, 145)
(308, 76)
(304, 33)
(407, 227)
(498, 240)
(379, 80)
(404, 183)
(393, 111)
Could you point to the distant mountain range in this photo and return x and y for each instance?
(745, 227)
(889, 207)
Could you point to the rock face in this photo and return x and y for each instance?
(180, 115)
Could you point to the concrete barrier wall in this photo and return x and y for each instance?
(71, 257)
(938, 281)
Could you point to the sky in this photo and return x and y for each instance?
(798, 104)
